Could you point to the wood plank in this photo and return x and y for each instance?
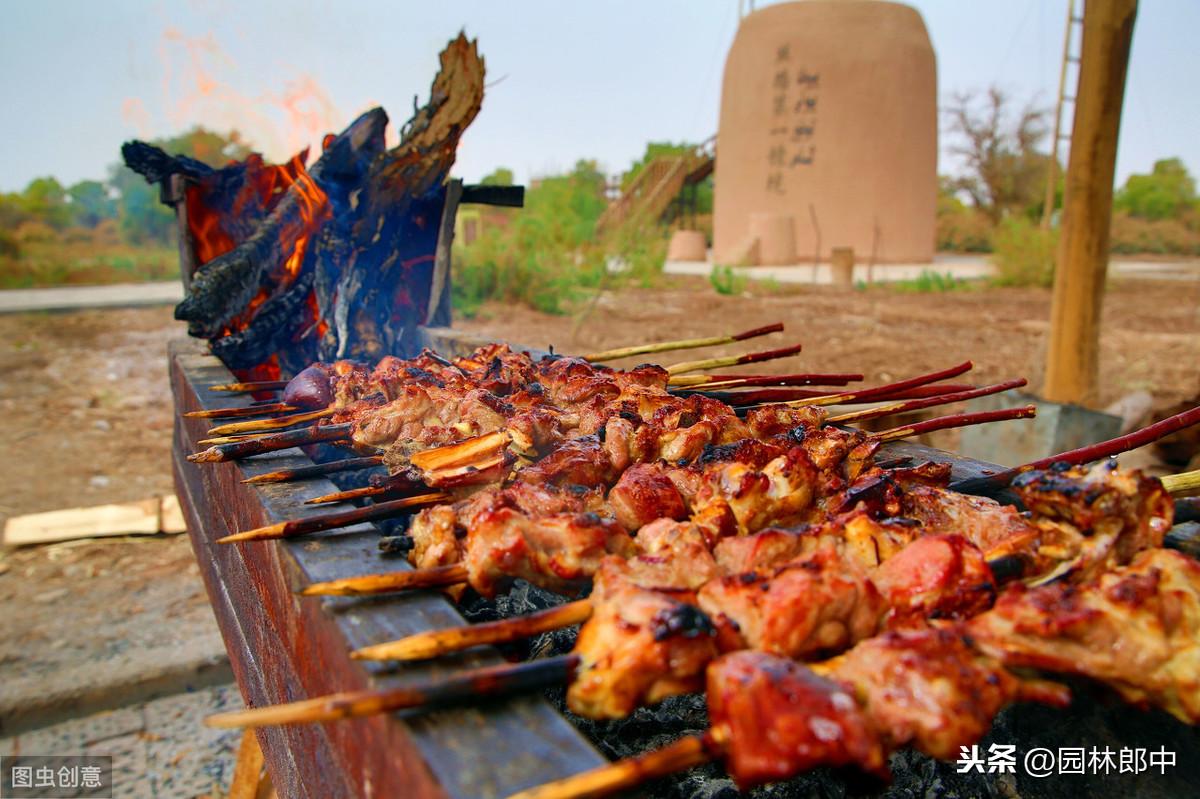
(144, 517)
(284, 647)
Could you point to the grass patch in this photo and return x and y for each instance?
(76, 263)
(929, 282)
(726, 281)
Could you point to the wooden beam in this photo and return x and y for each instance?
(1072, 359)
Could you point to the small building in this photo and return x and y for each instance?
(828, 135)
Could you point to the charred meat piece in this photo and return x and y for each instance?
(818, 603)
(927, 688)
(1136, 629)
(1108, 515)
(779, 719)
(640, 646)
(559, 552)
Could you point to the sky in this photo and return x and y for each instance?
(567, 79)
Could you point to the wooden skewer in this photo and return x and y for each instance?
(250, 388)
(455, 639)
(929, 402)
(230, 439)
(714, 382)
(234, 413)
(353, 493)
(316, 470)
(1093, 452)
(257, 446)
(685, 344)
(331, 521)
(732, 360)
(955, 420)
(277, 423)
(686, 753)
(466, 686)
(1184, 481)
(409, 579)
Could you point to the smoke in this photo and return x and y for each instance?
(201, 84)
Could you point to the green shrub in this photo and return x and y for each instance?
(725, 280)
(547, 257)
(962, 229)
(1132, 235)
(9, 246)
(1023, 253)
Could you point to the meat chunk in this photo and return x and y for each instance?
(820, 602)
(645, 493)
(927, 688)
(1109, 515)
(935, 577)
(672, 555)
(640, 646)
(1136, 629)
(778, 719)
(559, 552)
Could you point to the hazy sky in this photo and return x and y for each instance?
(570, 79)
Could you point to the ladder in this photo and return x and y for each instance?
(1072, 45)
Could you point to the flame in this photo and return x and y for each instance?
(202, 84)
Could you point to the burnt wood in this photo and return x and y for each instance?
(284, 647)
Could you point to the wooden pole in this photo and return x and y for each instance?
(1072, 360)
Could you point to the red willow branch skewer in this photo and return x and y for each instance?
(889, 390)
(316, 470)
(1093, 452)
(955, 420)
(330, 521)
(682, 383)
(733, 360)
(918, 404)
(685, 344)
(743, 400)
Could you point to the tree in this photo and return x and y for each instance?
(501, 176)
(45, 200)
(1004, 172)
(1165, 193)
(140, 216)
(91, 203)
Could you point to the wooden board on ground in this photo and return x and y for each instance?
(145, 517)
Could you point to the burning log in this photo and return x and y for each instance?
(334, 261)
